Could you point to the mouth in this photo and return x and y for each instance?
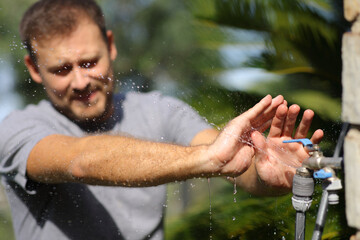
(86, 96)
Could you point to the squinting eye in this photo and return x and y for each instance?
(88, 64)
(62, 71)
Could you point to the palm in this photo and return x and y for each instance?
(277, 163)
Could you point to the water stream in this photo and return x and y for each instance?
(210, 212)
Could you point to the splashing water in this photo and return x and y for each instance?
(235, 190)
(215, 126)
(293, 163)
(210, 212)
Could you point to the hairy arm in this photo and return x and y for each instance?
(114, 160)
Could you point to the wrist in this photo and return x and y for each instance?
(207, 166)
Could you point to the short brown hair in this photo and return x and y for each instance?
(49, 18)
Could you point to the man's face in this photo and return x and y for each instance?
(76, 72)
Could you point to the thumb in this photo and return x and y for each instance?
(259, 144)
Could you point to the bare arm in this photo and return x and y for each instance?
(116, 160)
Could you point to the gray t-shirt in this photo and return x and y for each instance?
(79, 211)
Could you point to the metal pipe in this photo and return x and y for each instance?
(303, 188)
(300, 225)
(318, 162)
(321, 216)
(322, 212)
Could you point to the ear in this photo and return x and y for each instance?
(111, 44)
(33, 69)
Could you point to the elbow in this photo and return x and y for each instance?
(83, 170)
(77, 170)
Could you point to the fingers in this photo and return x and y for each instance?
(304, 126)
(244, 123)
(259, 143)
(283, 123)
(265, 126)
(260, 116)
(259, 108)
(278, 121)
(270, 111)
(317, 136)
(290, 120)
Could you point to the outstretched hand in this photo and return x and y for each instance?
(232, 152)
(276, 161)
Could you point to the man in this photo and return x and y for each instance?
(90, 164)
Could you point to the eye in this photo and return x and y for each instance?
(89, 64)
(62, 71)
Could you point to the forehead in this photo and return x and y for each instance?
(85, 41)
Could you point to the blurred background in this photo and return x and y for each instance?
(221, 57)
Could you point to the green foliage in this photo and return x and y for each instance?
(158, 39)
(310, 93)
(302, 38)
(242, 216)
(12, 50)
(303, 47)
(302, 42)
(220, 105)
(6, 230)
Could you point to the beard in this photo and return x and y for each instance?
(91, 106)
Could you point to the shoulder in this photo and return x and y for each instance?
(153, 99)
(29, 112)
(24, 122)
(141, 96)
(41, 117)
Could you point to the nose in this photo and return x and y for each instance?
(80, 80)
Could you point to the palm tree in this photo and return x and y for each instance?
(302, 46)
(302, 40)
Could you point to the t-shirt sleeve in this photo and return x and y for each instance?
(19, 135)
(181, 121)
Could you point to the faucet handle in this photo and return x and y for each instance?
(322, 174)
(305, 142)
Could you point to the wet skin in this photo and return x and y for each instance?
(275, 161)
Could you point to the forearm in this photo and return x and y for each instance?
(114, 160)
(133, 162)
